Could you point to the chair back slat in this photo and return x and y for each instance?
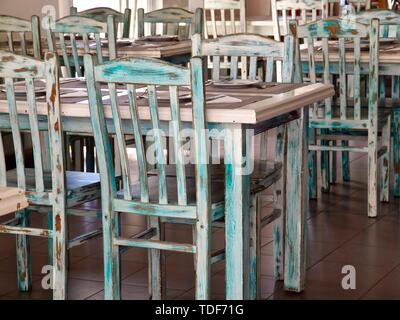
(154, 75)
(178, 147)
(16, 67)
(16, 133)
(71, 49)
(10, 25)
(34, 128)
(140, 150)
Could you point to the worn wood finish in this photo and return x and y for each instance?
(11, 25)
(340, 114)
(11, 67)
(101, 14)
(359, 5)
(71, 26)
(151, 72)
(391, 20)
(171, 20)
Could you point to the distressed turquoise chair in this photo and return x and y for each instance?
(389, 21)
(11, 25)
(160, 198)
(101, 13)
(171, 20)
(53, 190)
(266, 174)
(348, 112)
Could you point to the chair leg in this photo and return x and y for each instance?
(203, 255)
(24, 273)
(255, 246)
(312, 166)
(396, 151)
(280, 204)
(372, 171)
(50, 239)
(325, 166)
(157, 278)
(333, 165)
(90, 159)
(111, 252)
(60, 262)
(385, 162)
(345, 162)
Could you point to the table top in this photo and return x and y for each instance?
(151, 49)
(389, 52)
(250, 105)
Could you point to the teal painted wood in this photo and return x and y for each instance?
(252, 47)
(171, 18)
(70, 51)
(12, 67)
(24, 270)
(280, 200)
(390, 20)
(101, 14)
(151, 73)
(10, 25)
(347, 115)
(108, 186)
(296, 204)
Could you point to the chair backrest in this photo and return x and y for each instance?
(248, 45)
(389, 21)
(171, 20)
(341, 60)
(139, 72)
(72, 49)
(24, 116)
(10, 25)
(303, 11)
(101, 14)
(225, 14)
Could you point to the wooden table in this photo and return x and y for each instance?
(173, 51)
(255, 111)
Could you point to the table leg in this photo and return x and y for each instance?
(237, 197)
(296, 203)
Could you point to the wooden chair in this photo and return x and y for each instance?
(68, 28)
(101, 13)
(171, 20)
(195, 201)
(359, 6)
(389, 21)
(266, 174)
(11, 25)
(349, 112)
(224, 13)
(303, 12)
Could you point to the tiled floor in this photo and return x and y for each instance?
(339, 234)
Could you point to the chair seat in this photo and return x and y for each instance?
(11, 200)
(264, 174)
(81, 186)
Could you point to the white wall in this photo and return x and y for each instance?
(25, 9)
